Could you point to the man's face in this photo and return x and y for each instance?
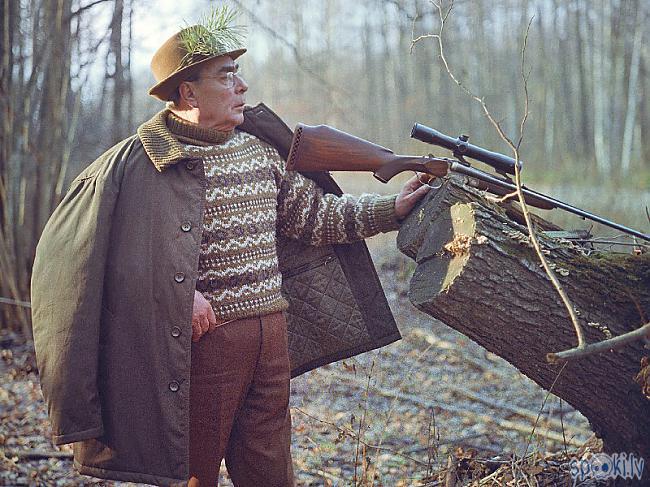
(219, 106)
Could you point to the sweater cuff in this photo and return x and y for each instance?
(384, 214)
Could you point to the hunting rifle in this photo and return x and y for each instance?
(324, 148)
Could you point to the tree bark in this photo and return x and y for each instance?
(477, 272)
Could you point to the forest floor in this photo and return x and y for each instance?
(391, 417)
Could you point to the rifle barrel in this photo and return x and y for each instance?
(478, 174)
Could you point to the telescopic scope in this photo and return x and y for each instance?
(462, 148)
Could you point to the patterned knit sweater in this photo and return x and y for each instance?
(250, 196)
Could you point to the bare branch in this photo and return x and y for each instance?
(502, 199)
(602, 346)
(80, 10)
(525, 80)
(15, 302)
(37, 454)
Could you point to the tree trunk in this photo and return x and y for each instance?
(600, 82)
(585, 130)
(477, 273)
(119, 80)
(632, 94)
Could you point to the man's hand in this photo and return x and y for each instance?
(412, 192)
(203, 317)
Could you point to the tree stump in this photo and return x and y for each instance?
(478, 273)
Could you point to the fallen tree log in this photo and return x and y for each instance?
(478, 273)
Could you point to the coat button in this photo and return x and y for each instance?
(186, 226)
(174, 386)
(190, 165)
(176, 331)
(179, 277)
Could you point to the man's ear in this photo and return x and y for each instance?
(187, 95)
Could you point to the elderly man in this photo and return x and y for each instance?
(159, 320)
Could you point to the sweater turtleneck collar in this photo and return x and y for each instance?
(194, 134)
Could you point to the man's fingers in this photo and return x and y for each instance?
(200, 326)
(213, 326)
(212, 318)
(413, 183)
(418, 193)
(425, 178)
(196, 331)
(205, 324)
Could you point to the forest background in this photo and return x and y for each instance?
(74, 76)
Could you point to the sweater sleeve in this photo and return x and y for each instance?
(307, 214)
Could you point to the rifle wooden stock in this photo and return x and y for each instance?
(324, 148)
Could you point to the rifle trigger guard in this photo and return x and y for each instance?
(436, 187)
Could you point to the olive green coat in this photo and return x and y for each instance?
(112, 294)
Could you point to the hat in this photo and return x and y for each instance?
(185, 52)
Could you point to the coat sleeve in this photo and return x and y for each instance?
(66, 294)
(306, 213)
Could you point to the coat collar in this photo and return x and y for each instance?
(159, 143)
(165, 150)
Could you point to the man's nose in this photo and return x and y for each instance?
(241, 86)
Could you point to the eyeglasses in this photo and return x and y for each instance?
(227, 79)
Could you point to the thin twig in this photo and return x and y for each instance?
(602, 346)
(324, 474)
(458, 440)
(82, 9)
(362, 427)
(16, 302)
(562, 422)
(36, 454)
(451, 477)
(608, 242)
(433, 441)
(503, 198)
(539, 414)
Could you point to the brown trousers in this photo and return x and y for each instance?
(239, 404)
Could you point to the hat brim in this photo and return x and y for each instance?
(164, 89)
